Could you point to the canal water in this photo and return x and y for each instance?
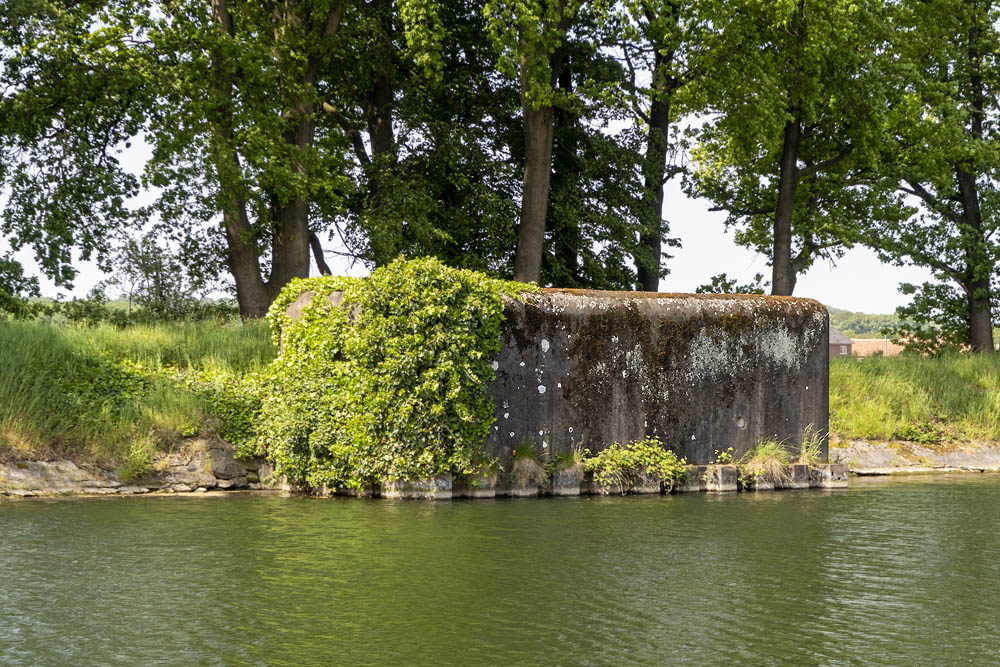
(891, 571)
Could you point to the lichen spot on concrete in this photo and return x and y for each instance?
(545, 345)
(541, 389)
(496, 365)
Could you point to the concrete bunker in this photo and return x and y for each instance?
(581, 368)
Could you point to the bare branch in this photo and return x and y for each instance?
(918, 190)
(825, 164)
(357, 143)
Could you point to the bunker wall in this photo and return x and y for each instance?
(701, 372)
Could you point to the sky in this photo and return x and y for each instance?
(858, 282)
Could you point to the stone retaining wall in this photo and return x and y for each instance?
(201, 464)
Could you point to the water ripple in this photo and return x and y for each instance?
(890, 572)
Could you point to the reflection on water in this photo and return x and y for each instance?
(888, 572)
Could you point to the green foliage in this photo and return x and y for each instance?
(390, 384)
(15, 287)
(862, 325)
(96, 309)
(636, 463)
(946, 399)
(727, 457)
(935, 322)
(801, 85)
(945, 154)
(811, 450)
(723, 284)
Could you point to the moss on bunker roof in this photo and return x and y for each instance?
(758, 298)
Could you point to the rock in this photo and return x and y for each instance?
(224, 463)
(697, 478)
(98, 490)
(200, 489)
(237, 483)
(131, 490)
(474, 486)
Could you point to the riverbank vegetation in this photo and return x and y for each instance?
(929, 400)
(112, 395)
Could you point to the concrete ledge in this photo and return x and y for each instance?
(474, 486)
(722, 478)
(431, 488)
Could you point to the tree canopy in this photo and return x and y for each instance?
(525, 139)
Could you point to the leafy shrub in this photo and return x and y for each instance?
(635, 464)
(391, 383)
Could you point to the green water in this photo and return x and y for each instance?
(888, 572)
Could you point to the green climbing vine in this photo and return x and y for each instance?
(389, 383)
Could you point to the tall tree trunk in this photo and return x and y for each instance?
(242, 257)
(378, 116)
(654, 169)
(290, 219)
(563, 225)
(977, 264)
(783, 274)
(977, 261)
(535, 195)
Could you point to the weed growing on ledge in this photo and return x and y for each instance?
(637, 463)
(811, 452)
(727, 457)
(768, 461)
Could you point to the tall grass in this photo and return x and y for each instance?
(950, 399)
(107, 395)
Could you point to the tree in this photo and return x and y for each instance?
(660, 39)
(795, 94)
(231, 96)
(530, 36)
(431, 167)
(64, 116)
(15, 287)
(946, 154)
(151, 276)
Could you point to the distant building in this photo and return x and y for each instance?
(866, 347)
(840, 345)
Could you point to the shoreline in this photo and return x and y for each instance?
(208, 467)
(868, 458)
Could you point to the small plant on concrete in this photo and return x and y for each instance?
(811, 452)
(568, 469)
(484, 470)
(768, 461)
(525, 470)
(637, 463)
(727, 457)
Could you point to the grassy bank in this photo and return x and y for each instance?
(952, 399)
(111, 396)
